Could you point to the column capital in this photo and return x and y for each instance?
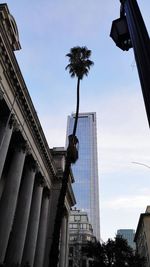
(9, 120)
(16, 125)
(30, 162)
(20, 145)
(40, 180)
(65, 212)
(24, 147)
(46, 192)
(12, 121)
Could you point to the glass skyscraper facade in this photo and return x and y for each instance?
(85, 170)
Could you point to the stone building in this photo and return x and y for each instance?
(30, 173)
(142, 236)
(80, 233)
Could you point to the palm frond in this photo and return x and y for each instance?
(79, 62)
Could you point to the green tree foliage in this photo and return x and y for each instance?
(79, 62)
(113, 253)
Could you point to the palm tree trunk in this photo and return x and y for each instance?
(77, 108)
(54, 252)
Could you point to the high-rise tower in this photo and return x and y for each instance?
(85, 170)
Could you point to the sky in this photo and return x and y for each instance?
(47, 31)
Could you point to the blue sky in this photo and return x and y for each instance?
(48, 29)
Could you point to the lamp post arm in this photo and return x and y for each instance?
(139, 163)
(122, 11)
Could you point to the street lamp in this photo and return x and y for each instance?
(130, 31)
(120, 33)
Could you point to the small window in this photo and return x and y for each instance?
(73, 238)
(74, 226)
(81, 226)
(77, 218)
(71, 251)
(71, 218)
(84, 218)
(84, 226)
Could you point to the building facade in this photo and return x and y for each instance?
(85, 170)
(80, 233)
(30, 173)
(142, 236)
(129, 235)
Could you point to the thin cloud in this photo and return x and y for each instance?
(127, 203)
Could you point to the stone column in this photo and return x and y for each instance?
(5, 136)
(41, 241)
(9, 197)
(63, 242)
(54, 194)
(33, 224)
(19, 229)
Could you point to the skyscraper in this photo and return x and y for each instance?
(85, 170)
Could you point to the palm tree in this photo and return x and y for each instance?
(79, 65)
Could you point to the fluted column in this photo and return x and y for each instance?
(41, 241)
(5, 136)
(9, 197)
(1, 94)
(18, 234)
(63, 243)
(54, 195)
(33, 224)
